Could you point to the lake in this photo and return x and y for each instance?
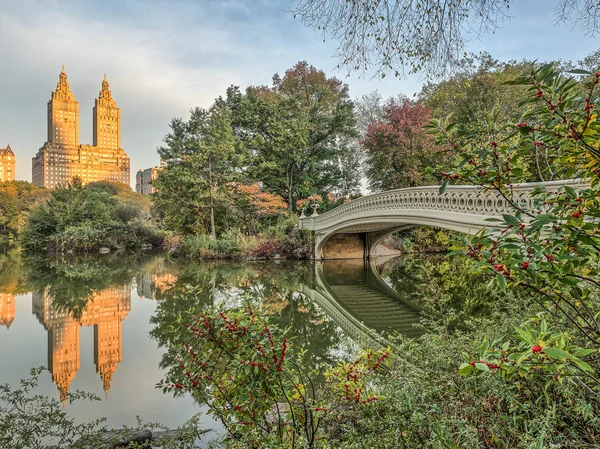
(97, 323)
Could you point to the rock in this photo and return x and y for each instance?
(104, 250)
(113, 439)
(170, 434)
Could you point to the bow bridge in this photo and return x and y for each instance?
(353, 230)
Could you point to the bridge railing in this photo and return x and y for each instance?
(461, 199)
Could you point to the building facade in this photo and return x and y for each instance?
(62, 157)
(144, 179)
(7, 164)
(105, 311)
(7, 309)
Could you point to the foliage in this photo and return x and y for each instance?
(84, 218)
(480, 93)
(254, 206)
(17, 198)
(398, 148)
(428, 404)
(298, 133)
(549, 247)
(34, 421)
(402, 36)
(200, 162)
(250, 378)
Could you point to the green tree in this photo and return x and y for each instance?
(201, 160)
(17, 198)
(297, 132)
(85, 218)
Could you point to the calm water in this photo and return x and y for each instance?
(97, 323)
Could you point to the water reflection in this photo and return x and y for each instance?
(322, 304)
(7, 309)
(105, 311)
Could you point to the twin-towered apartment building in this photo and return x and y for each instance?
(62, 157)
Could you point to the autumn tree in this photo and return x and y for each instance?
(404, 36)
(297, 132)
(254, 204)
(398, 148)
(201, 160)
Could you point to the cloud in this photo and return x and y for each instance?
(164, 57)
(154, 73)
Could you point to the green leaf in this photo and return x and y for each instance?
(483, 348)
(465, 369)
(579, 72)
(511, 219)
(481, 367)
(584, 366)
(584, 352)
(443, 186)
(501, 282)
(557, 354)
(570, 191)
(509, 246)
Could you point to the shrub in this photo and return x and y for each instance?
(266, 250)
(31, 421)
(82, 219)
(248, 374)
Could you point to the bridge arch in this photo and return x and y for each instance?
(340, 232)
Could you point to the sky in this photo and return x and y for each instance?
(164, 57)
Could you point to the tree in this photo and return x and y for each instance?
(85, 218)
(549, 246)
(253, 204)
(17, 198)
(398, 147)
(296, 132)
(403, 36)
(201, 160)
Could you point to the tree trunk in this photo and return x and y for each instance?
(213, 234)
(290, 199)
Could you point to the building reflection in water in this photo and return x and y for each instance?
(147, 285)
(106, 311)
(7, 309)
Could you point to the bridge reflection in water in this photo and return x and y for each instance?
(352, 293)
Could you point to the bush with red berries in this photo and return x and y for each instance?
(549, 247)
(249, 375)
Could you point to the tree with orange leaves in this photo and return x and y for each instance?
(253, 203)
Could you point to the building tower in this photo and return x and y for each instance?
(7, 164)
(62, 158)
(108, 349)
(7, 309)
(107, 120)
(63, 114)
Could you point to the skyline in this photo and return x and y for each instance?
(163, 59)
